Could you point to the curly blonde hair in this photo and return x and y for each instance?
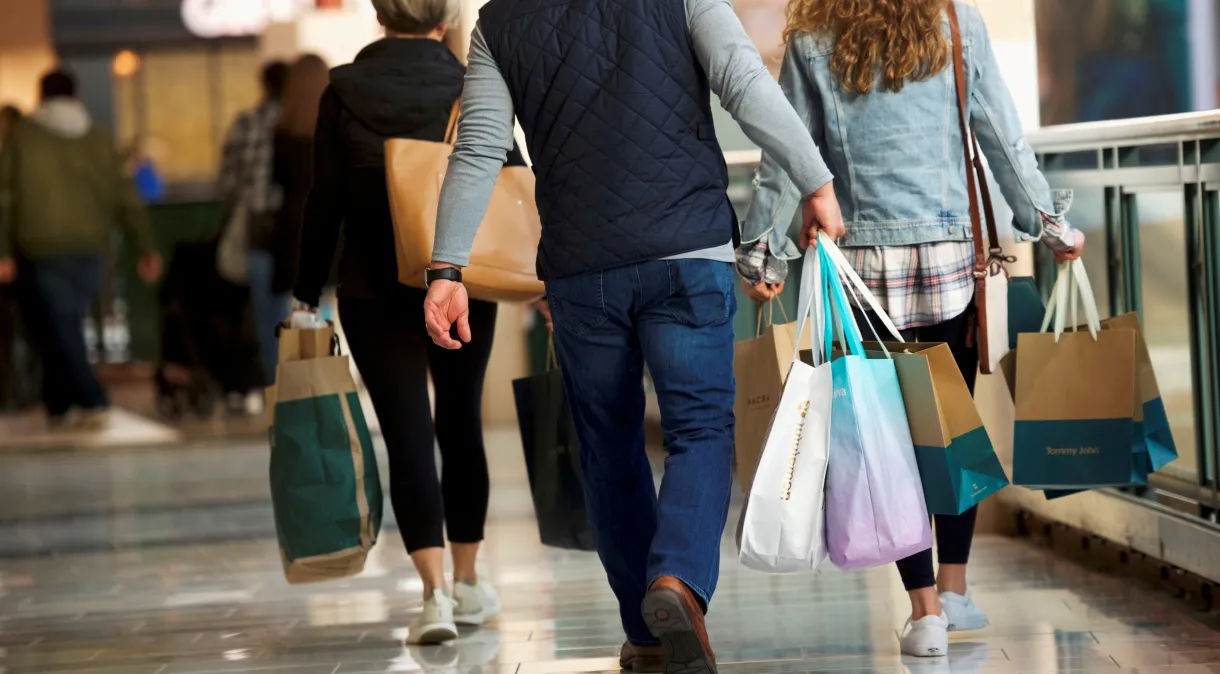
(901, 38)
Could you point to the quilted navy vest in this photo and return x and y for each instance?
(617, 117)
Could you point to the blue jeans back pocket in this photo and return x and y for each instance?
(701, 292)
(577, 303)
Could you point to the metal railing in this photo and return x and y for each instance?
(1151, 191)
(1147, 192)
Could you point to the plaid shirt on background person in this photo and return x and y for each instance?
(921, 286)
(245, 171)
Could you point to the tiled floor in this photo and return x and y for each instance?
(164, 562)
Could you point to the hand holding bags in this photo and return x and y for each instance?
(782, 526)
(552, 459)
(325, 487)
(1076, 397)
(761, 366)
(875, 510)
(503, 261)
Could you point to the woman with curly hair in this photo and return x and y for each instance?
(874, 82)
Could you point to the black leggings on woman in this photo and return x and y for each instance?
(954, 533)
(394, 353)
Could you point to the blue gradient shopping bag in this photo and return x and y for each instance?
(1076, 396)
(875, 510)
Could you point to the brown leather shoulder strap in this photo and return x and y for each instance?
(959, 73)
(451, 130)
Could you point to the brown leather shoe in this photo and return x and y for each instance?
(673, 615)
(640, 659)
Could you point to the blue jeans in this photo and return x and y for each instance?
(268, 309)
(676, 317)
(59, 293)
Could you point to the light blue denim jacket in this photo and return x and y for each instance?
(897, 156)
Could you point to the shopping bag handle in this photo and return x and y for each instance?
(1071, 285)
(769, 308)
(845, 323)
(847, 270)
(335, 346)
(812, 306)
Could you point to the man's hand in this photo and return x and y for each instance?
(544, 308)
(149, 268)
(820, 212)
(1073, 254)
(447, 303)
(8, 270)
(762, 293)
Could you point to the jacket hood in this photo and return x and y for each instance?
(397, 86)
(64, 117)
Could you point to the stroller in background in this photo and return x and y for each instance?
(208, 346)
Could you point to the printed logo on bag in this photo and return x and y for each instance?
(839, 393)
(1072, 451)
(759, 400)
(802, 409)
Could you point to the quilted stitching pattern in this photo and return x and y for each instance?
(617, 115)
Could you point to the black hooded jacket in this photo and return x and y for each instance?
(396, 88)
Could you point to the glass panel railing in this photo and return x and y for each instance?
(1164, 285)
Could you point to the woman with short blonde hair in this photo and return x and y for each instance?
(403, 86)
(874, 82)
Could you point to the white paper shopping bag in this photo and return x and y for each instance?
(782, 528)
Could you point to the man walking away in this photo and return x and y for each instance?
(637, 255)
(62, 189)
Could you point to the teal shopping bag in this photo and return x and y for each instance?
(325, 486)
(1076, 398)
(1025, 308)
(957, 461)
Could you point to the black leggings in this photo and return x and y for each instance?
(394, 353)
(954, 533)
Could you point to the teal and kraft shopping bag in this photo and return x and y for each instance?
(325, 486)
(957, 461)
(1153, 444)
(1076, 398)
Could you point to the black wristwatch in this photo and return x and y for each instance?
(443, 274)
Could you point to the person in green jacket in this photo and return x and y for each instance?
(63, 189)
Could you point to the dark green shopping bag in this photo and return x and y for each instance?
(325, 486)
(957, 462)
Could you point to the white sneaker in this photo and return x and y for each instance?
(475, 603)
(927, 637)
(962, 612)
(435, 623)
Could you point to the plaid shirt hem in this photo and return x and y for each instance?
(918, 286)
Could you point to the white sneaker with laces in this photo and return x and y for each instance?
(927, 637)
(435, 623)
(962, 612)
(475, 603)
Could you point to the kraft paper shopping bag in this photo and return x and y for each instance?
(1076, 398)
(760, 366)
(958, 464)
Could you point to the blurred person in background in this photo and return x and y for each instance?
(63, 188)
(870, 82)
(246, 185)
(403, 86)
(273, 258)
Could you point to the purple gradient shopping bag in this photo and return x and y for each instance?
(875, 509)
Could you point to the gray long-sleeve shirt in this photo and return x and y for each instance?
(735, 72)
